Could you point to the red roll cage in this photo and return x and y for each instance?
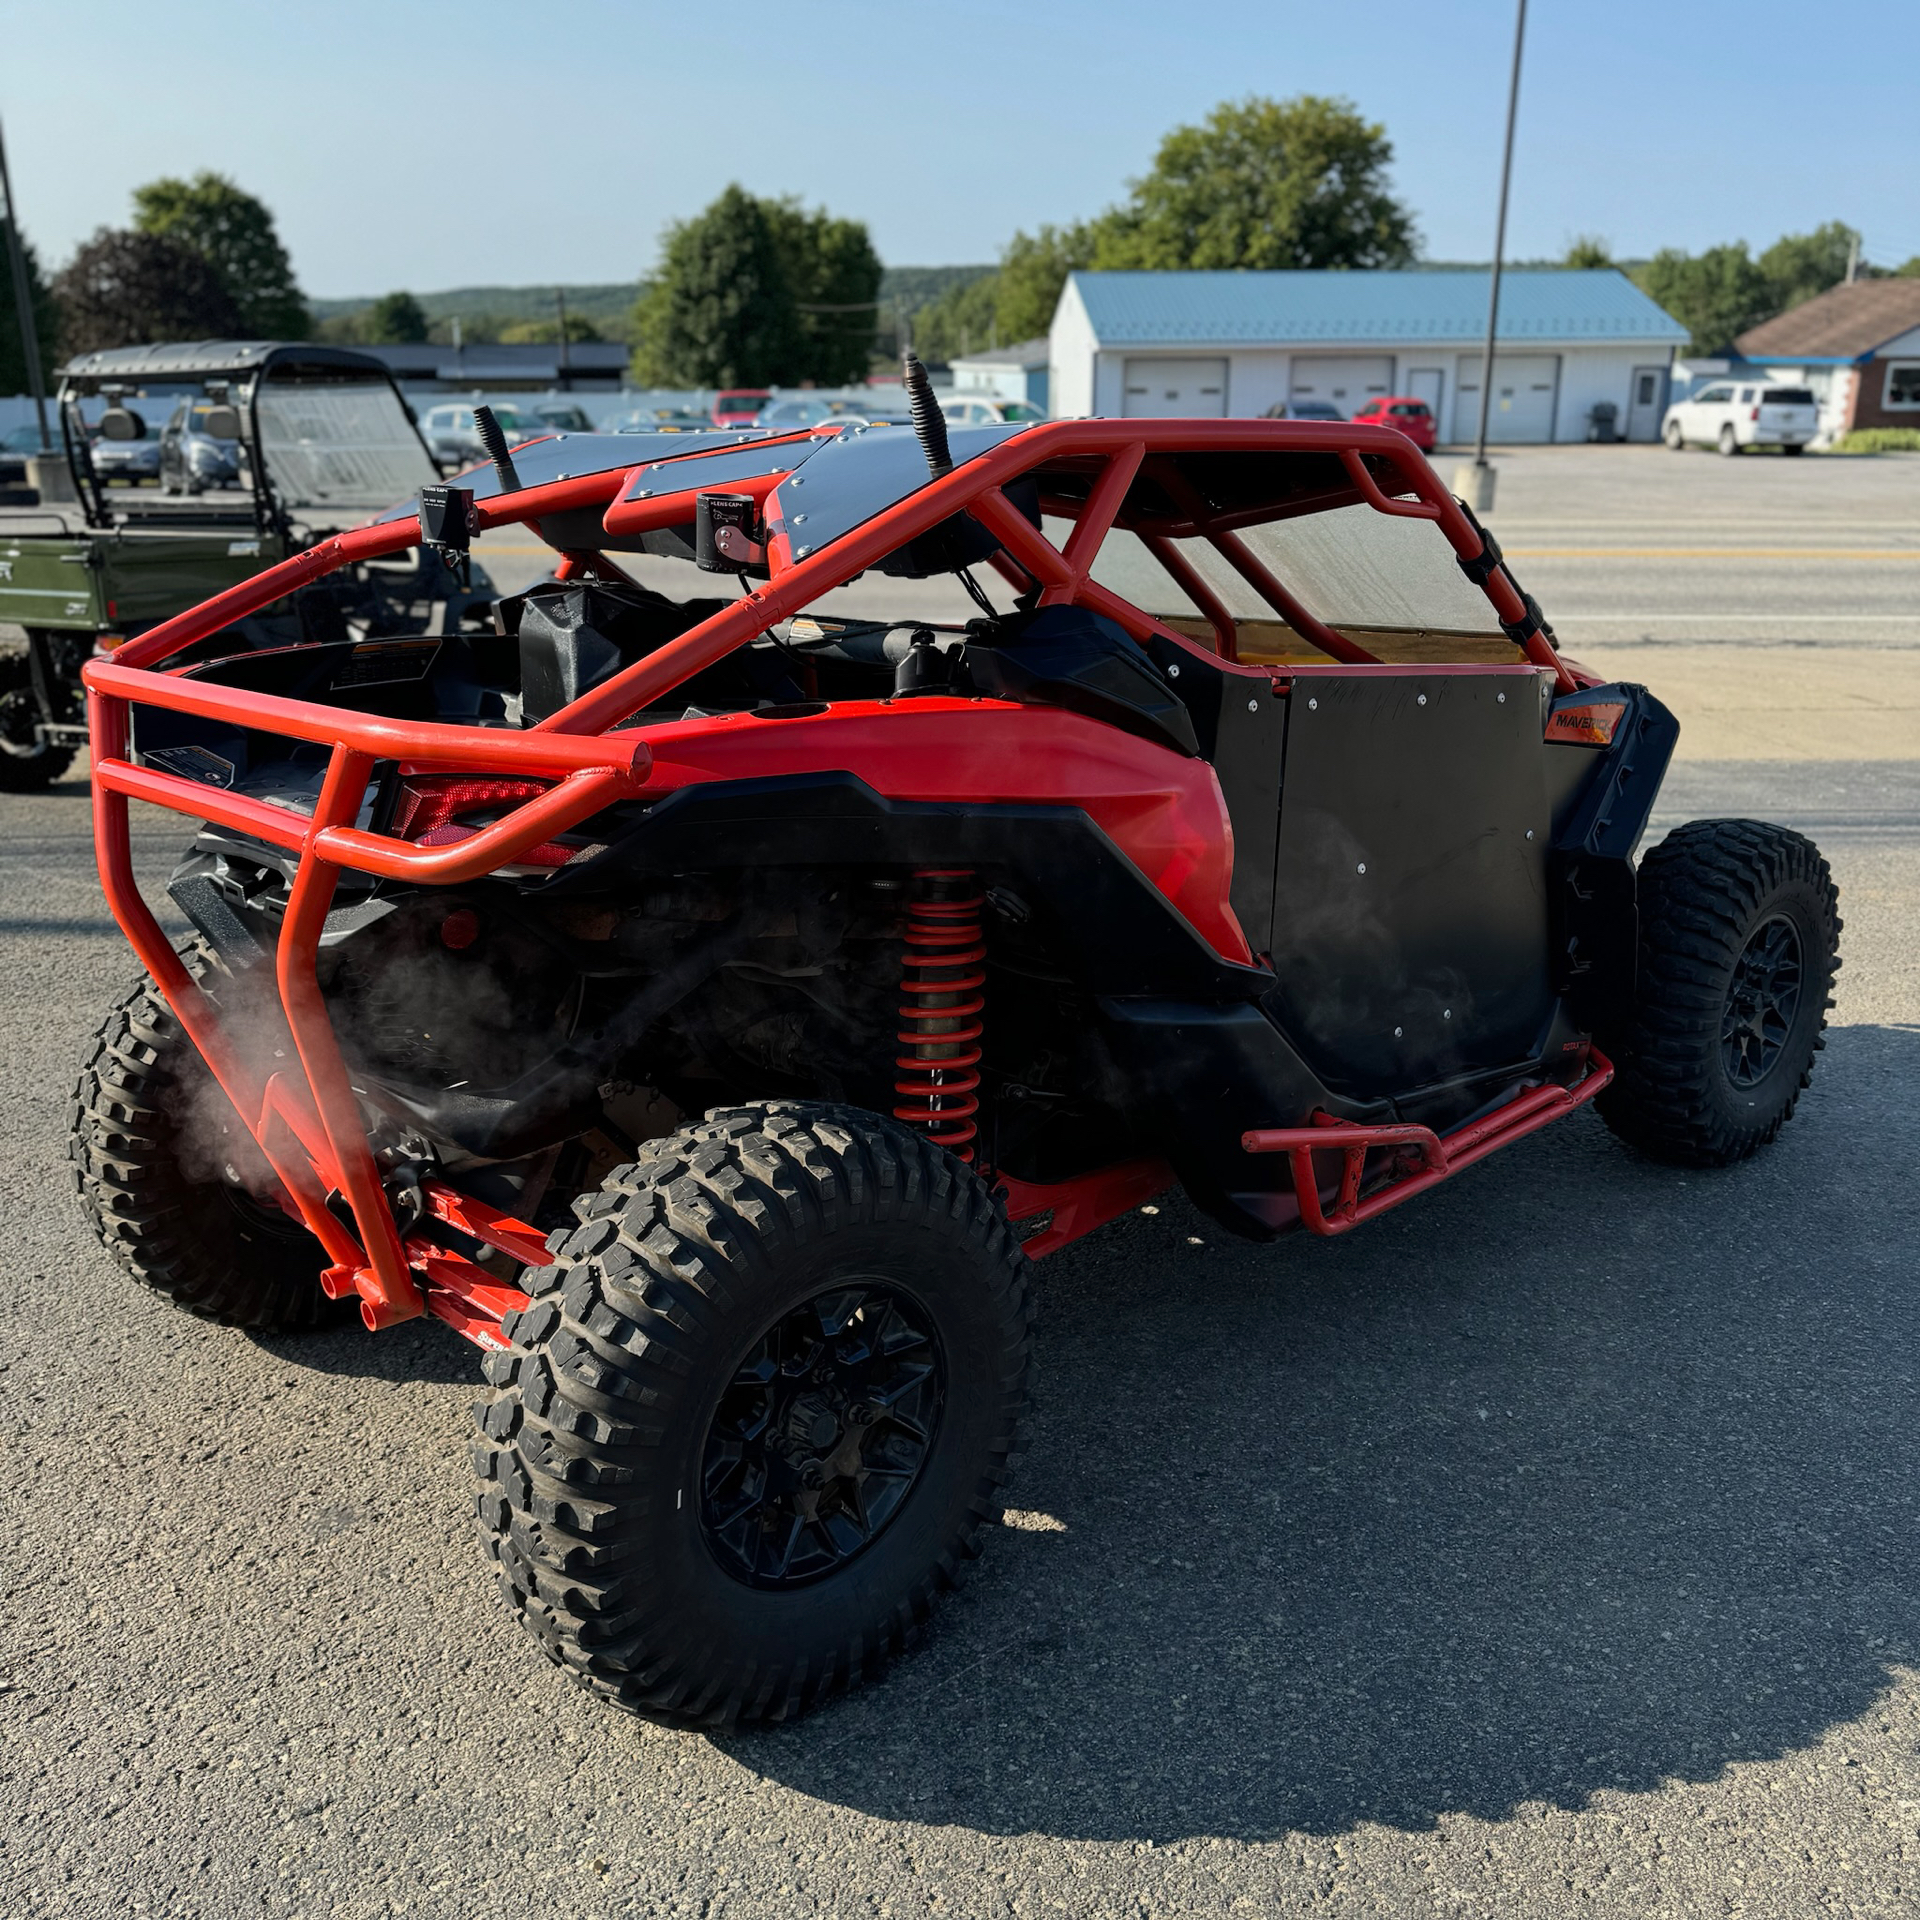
(303, 1110)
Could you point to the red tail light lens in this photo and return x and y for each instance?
(1754, 415)
(432, 809)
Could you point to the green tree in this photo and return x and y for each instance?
(1588, 250)
(1032, 271)
(235, 234)
(833, 274)
(394, 320)
(46, 321)
(543, 333)
(757, 293)
(125, 289)
(1799, 265)
(1264, 183)
(1911, 271)
(961, 320)
(724, 313)
(1013, 303)
(1714, 295)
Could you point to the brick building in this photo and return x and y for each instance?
(1857, 346)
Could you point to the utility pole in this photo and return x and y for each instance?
(566, 358)
(23, 302)
(1853, 259)
(1478, 478)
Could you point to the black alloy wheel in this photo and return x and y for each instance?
(1763, 999)
(820, 1436)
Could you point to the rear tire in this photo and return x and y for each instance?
(1739, 939)
(1729, 443)
(27, 764)
(149, 1131)
(690, 1374)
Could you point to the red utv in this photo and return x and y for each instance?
(1403, 414)
(712, 1003)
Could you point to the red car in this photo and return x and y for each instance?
(1403, 414)
(739, 406)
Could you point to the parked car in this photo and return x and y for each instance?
(128, 448)
(200, 447)
(658, 420)
(562, 416)
(1403, 414)
(26, 440)
(982, 410)
(449, 431)
(1733, 416)
(1304, 410)
(797, 410)
(739, 406)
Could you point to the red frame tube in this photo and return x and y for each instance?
(307, 1118)
(1441, 1155)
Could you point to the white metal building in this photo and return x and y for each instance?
(1018, 372)
(1242, 343)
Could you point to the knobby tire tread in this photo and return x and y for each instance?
(665, 1257)
(179, 1237)
(1701, 891)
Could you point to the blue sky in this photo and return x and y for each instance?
(431, 146)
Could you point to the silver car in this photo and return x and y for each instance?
(200, 448)
(119, 454)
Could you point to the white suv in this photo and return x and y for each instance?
(1730, 416)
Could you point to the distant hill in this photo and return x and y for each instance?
(482, 311)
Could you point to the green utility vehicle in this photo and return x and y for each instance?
(263, 449)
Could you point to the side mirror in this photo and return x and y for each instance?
(221, 423)
(122, 423)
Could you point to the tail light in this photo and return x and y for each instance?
(1754, 415)
(432, 809)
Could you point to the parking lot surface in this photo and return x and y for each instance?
(1551, 1545)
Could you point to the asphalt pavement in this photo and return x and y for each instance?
(1549, 1545)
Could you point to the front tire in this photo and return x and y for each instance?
(150, 1133)
(1739, 945)
(758, 1413)
(1675, 439)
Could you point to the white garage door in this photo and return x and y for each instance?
(1184, 389)
(1347, 381)
(1524, 387)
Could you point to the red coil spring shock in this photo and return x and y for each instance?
(941, 1000)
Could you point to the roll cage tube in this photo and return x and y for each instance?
(301, 1108)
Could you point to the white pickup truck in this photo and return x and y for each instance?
(1733, 417)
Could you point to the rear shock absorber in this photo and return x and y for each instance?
(941, 999)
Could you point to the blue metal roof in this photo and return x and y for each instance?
(1286, 309)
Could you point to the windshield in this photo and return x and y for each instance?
(1352, 566)
(342, 447)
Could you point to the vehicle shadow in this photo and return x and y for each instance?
(426, 1350)
(1580, 1474)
